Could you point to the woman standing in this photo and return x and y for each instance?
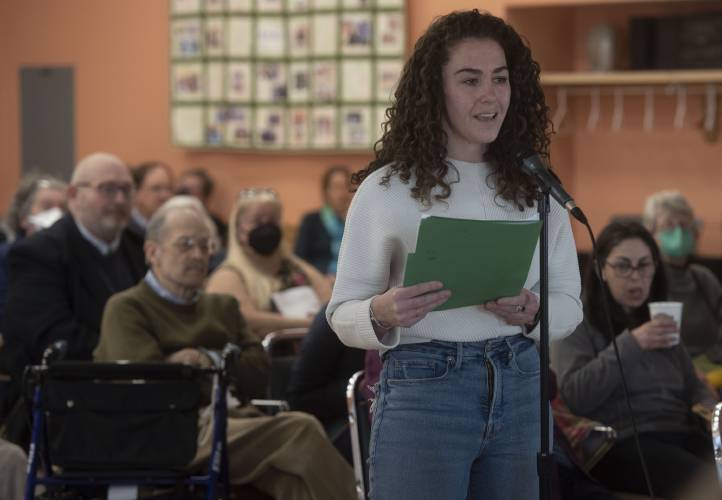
(457, 406)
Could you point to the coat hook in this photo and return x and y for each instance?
(593, 118)
(618, 114)
(561, 111)
(648, 110)
(681, 108)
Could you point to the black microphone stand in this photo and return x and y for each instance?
(545, 458)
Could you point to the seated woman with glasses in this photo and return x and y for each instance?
(259, 265)
(662, 383)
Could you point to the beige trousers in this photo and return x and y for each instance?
(12, 471)
(287, 456)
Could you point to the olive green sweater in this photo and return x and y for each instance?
(139, 325)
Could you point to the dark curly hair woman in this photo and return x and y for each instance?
(456, 412)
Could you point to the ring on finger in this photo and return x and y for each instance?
(520, 308)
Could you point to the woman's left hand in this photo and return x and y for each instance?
(519, 310)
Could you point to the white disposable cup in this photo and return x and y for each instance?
(673, 309)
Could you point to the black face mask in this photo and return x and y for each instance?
(265, 238)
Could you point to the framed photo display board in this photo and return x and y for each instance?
(283, 74)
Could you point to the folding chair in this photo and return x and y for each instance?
(717, 439)
(124, 424)
(360, 422)
(282, 348)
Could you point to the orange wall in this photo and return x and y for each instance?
(119, 50)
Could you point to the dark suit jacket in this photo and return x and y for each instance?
(313, 243)
(59, 284)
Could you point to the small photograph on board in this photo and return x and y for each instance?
(270, 37)
(214, 36)
(356, 4)
(271, 82)
(324, 34)
(269, 127)
(356, 80)
(239, 36)
(299, 35)
(214, 81)
(356, 127)
(324, 81)
(269, 5)
(323, 127)
(390, 3)
(238, 126)
(388, 73)
(238, 81)
(215, 125)
(188, 82)
(213, 5)
(299, 82)
(185, 6)
(186, 38)
(187, 125)
(299, 127)
(356, 33)
(389, 33)
(325, 4)
(239, 5)
(298, 5)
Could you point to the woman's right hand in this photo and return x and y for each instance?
(658, 333)
(406, 306)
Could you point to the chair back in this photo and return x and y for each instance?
(282, 348)
(91, 409)
(359, 419)
(717, 439)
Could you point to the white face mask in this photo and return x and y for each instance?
(45, 219)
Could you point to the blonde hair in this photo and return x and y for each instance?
(662, 203)
(259, 285)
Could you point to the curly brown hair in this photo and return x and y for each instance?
(413, 135)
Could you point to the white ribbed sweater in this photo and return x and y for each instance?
(381, 230)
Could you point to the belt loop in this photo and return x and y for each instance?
(459, 354)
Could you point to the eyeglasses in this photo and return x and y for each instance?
(110, 189)
(625, 269)
(254, 191)
(186, 244)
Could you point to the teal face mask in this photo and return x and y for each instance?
(677, 242)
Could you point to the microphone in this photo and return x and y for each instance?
(532, 165)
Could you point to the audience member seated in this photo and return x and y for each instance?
(319, 236)
(197, 182)
(167, 317)
(258, 264)
(60, 278)
(153, 182)
(38, 202)
(12, 471)
(319, 379)
(663, 386)
(669, 216)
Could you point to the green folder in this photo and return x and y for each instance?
(478, 260)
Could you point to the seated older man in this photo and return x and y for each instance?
(61, 277)
(168, 317)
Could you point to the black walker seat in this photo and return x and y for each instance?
(126, 424)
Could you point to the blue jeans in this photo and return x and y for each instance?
(457, 420)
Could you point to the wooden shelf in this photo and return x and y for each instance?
(623, 78)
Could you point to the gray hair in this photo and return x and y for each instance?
(157, 223)
(663, 203)
(24, 198)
